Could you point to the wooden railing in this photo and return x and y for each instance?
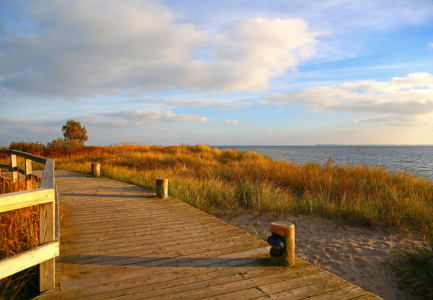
(46, 197)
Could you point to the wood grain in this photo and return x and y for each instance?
(33, 157)
(46, 235)
(23, 199)
(27, 259)
(119, 243)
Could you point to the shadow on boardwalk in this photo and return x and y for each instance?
(120, 242)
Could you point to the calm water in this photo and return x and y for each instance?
(418, 159)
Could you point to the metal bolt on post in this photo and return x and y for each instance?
(282, 241)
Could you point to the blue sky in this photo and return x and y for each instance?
(218, 72)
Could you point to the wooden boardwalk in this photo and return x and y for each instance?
(120, 242)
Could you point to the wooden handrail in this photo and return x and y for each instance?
(33, 157)
(46, 197)
(8, 167)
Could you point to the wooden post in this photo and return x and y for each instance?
(286, 231)
(46, 234)
(96, 170)
(28, 175)
(162, 188)
(14, 166)
(47, 228)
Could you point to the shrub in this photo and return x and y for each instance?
(33, 147)
(60, 143)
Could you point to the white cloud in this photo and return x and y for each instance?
(162, 115)
(196, 103)
(231, 122)
(88, 48)
(430, 45)
(400, 120)
(402, 99)
(257, 50)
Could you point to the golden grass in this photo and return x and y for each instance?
(229, 182)
(19, 231)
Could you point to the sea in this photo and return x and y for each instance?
(417, 159)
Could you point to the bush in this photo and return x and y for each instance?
(32, 147)
(65, 144)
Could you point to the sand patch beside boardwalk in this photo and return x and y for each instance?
(359, 255)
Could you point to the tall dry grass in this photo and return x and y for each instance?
(19, 231)
(228, 181)
(222, 182)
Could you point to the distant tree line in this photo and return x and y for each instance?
(74, 137)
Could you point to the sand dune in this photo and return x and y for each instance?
(362, 256)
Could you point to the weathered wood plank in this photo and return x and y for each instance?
(7, 167)
(160, 264)
(227, 279)
(96, 232)
(48, 180)
(124, 245)
(14, 167)
(135, 233)
(28, 174)
(315, 285)
(169, 246)
(134, 218)
(23, 199)
(47, 235)
(141, 256)
(146, 283)
(155, 240)
(130, 272)
(348, 292)
(35, 158)
(241, 285)
(27, 259)
(367, 297)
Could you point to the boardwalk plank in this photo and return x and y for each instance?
(120, 242)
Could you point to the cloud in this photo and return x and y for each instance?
(231, 122)
(399, 120)
(430, 45)
(406, 99)
(163, 115)
(88, 48)
(196, 103)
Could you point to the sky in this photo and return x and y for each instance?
(226, 72)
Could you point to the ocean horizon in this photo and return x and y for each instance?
(416, 159)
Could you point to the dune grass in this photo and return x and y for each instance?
(230, 182)
(19, 231)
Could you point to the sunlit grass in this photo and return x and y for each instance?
(230, 182)
(19, 231)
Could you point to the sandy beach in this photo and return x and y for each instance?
(362, 256)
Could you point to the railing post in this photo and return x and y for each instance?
(46, 235)
(14, 171)
(28, 174)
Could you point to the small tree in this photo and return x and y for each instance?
(73, 131)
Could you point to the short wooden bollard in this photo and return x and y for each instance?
(162, 188)
(285, 256)
(96, 170)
